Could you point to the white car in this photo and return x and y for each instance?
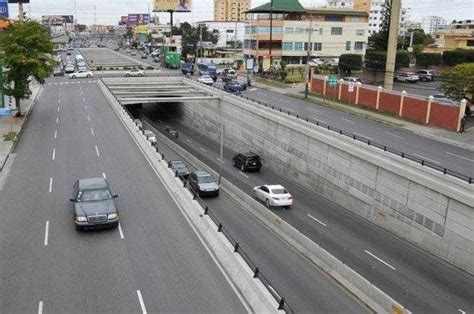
(206, 79)
(409, 77)
(134, 72)
(69, 68)
(333, 62)
(273, 195)
(81, 74)
(315, 62)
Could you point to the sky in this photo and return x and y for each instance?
(109, 11)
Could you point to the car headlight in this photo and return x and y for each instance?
(81, 218)
(112, 216)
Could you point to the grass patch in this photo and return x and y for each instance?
(294, 77)
(10, 136)
(271, 82)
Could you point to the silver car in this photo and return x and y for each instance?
(202, 183)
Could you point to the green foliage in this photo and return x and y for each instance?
(191, 37)
(379, 40)
(417, 49)
(458, 56)
(419, 38)
(427, 59)
(26, 50)
(375, 60)
(350, 62)
(99, 68)
(10, 136)
(283, 72)
(458, 82)
(402, 60)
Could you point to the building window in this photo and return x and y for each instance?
(306, 46)
(470, 43)
(359, 32)
(320, 32)
(336, 30)
(358, 45)
(298, 46)
(317, 46)
(248, 29)
(288, 45)
(246, 44)
(333, 18)
(299, 30)
(348, 46)
(288, 30)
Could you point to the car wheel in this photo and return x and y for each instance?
(78, 228)
(242, 168)
(267, 203)
(127, 75)
(73, 76)
(140, 74)
(88, 76)
(287, 207)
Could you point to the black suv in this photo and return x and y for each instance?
(247, 161)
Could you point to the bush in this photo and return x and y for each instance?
(402, 59)
(99, 68)
(350, 62)
(458, 56)
(427, 59)
(149, 68)
(375, 60)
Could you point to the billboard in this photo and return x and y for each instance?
(123, 20)
(57, 19)
(138, 19)
(172, 5)
(3, 8)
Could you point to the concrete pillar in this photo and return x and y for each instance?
(402, 98)
(379, 89)
(462, 112)
(392, 43)
(326, 78)
(359, 84)
(340, 89)
(428, 110)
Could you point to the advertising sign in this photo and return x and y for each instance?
(57, 19)
(3, 8)
(172, 5)
(138, 19)
(249, 64)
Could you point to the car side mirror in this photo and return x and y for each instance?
(115, 196)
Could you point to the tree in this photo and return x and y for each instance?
(458, 82)
(191, 37)
(419, 38)
(458, 56)
(350, 62)
(26, 51)
(379, 40)
(427, 59)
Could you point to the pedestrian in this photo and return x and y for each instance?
(463, 124)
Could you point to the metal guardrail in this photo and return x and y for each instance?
(359, 138)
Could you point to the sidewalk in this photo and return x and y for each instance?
(15, 125)
(465, 140)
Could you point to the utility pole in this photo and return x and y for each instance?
(271, 33)
(308, 55)
(20, 11)
(392, 43)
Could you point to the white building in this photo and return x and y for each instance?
(228, 32)
(433, 23)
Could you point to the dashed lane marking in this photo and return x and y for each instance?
(54, 154)
(57, 120)
(317, 220)
(50, 184)
(40, 307)
(55, 134)
(348, 120)
(459, 156)
(244, 175)
(142, 304)
(88, 118)
(380, 260)
(46, 233)
(203, 149)
(120, 231)
(103, 175)
(394, 135)
(92, 131)
(97, 151)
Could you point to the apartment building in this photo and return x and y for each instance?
(333, 32)
(433, 23)
(230, 10)
(458, 34)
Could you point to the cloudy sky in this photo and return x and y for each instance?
(109, 11)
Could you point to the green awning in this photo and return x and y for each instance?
(279, 6)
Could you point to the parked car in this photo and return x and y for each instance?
(203, 184)
(128, 50)
(172, 132)
(426, 75)
(235, 86)
(179, 167)
(58, 71)
(69, 68)
(144, 56)
(133, 53)
(94, 204)
(273, 195)
(351, 79)
(134, 72)
(315, 62)
(187, 68)
(206, 79)
(117, 48)
(81, 74)
(333, 62)
(247, 161)
(409, 77)
(229, 75)
(155, 53)
(156, 59)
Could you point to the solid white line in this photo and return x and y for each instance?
(364, 136)
(56, 134)
(397, 136)
(40, 307)
(317, 220)
(380, 260)
(46, 233)
(189, 141)
(271, 288)
(88, 118)
(459, 156)
(54, 154)
(51, 184)
(246, 176)
(103, 175)
(347, 120)
(120, 230)
(462, 312)
(203, 149)
(140, 299)
(422, 157)
(92, 131)
(97, 151)
(57, 120)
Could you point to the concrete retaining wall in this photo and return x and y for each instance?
(433, 211)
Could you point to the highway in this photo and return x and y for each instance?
(153, 262)
(423, 283)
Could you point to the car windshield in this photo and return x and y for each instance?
(205, 179)
(93, 195)
(279, 191)
(178, 164)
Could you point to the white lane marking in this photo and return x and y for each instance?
(92, 131)
(364, 136)
(422, 157)
(120, 230)
(59, 100)
(58, 108)
(380, 260)
(189, 141)
(462, 312)
(243, 174)
(88, 118)
(103, 175)
(51, 184)
(142, 304)
(46, 233)
(348, 120)
(459, 156)
(97, 151)
(394, 135)
(271, 288)
(55, 133)
(54, 154)
(203, 149)
(57, 120)
(252, 89)
(40, 307)
(317, 220)
(85, 107)
(220, 160)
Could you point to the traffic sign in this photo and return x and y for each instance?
(350, 88)
(332, 80)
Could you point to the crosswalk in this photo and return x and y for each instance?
(71, 82)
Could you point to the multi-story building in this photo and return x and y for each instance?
(363, 5)
(459, 34)
(229, 32)
(333, 32)
(433, 23)
(376, 17)
(230, 10)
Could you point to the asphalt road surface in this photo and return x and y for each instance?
(154, 262)
(420, 281)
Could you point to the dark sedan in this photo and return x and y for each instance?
(179, 167)
(94, 204)
(235, 86)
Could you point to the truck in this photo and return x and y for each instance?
(172, 59)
